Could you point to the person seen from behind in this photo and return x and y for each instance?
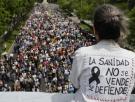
(105, 71)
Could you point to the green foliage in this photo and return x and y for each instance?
(85, 27)
(65, 4)
(83, 8)
(12, 11)
(131, 37)
(5, 18)
(11, 8)
(83, 11)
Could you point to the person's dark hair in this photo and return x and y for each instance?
(109, 22)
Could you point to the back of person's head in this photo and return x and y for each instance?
(109, 22)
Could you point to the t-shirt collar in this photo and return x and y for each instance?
(110, 43)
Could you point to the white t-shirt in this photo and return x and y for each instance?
(103, 73)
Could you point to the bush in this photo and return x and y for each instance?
(131, 37)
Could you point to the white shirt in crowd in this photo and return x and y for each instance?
(103, 73)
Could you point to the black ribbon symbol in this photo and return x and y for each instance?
(95, 75)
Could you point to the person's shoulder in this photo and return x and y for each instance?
(80, 50)
(128, 52)
(83, 50)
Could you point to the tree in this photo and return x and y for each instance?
(5, 19)
(131, 4)
(65, 4)
(131, 37)
(83, 8)
(13, 11)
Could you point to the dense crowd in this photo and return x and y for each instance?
(43, 54)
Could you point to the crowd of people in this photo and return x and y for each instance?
(43, 53)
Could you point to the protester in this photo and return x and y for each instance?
(105, 71)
